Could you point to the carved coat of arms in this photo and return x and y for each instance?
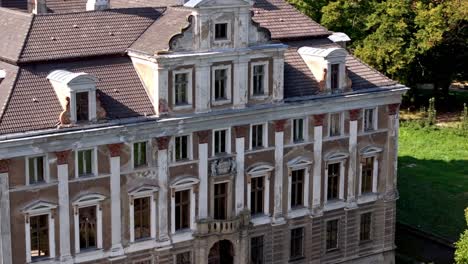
(223, 166)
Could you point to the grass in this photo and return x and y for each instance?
(433, 179)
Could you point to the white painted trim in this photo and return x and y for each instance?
(278, 185)
(341, 180)
(116, 211)
(94, 161)
(148, 155)
(189, 72)
(240, 175)
(375, 119)
(264, 135)
(266, 194)
(305, 131)
(266, 79)
(317, 170)
(144, 191)
(51, 221)
(228, 87)
(375, 175)
(227, 139)
(342, 127)
(183, 184)
(228, 31)
(189, 148)
(46, 168)
(92, 203)
(260, 170)
(203, 174)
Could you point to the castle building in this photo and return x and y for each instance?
(205, 131)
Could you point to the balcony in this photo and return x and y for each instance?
(219, 227)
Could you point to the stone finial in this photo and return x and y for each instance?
(163, 142)
(62, 157)
(101, 113)
(279, 125)
(323, 82)
(4, 166)
(203, 136)
(318, 119)
(64, 117)
(115, 149)
(241, 131)
(393, 109)
(354, 114)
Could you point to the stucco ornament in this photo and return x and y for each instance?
(323, 82)
(4, 166)
(393, 109)
(223, 166)
(354, 114)
(62, 157)
(64, 117)
(203, 136)
(318, 119)
(163, 142)
(147, 174)
(101, 113)
(279, 125)
(115, 149)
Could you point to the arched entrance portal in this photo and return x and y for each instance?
(222, 252)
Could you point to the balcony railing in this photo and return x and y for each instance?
(209, 226)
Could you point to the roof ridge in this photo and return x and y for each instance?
(144, 31)
(14, 11)
(101, 11)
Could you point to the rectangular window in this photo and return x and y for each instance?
(182, 209)
(36, 169)
(369, 119)
(39, 230)
(335, 124)
(220, 201)
(298, 130)
(333, 181)
(221, 31)
(257, 191)
(139, 154)
(182, 148)
(181, 84)
(297, 243)
(257, 136)
(256, 250)
(82, 107)
(297, 188)
(335, 76)
(220, 89)
(183, 258)
(332, 235)
(367, 175)
(142, 216)
(85, 162)
(258, 80)
(365, 227)
(220, 141)
(87, 227)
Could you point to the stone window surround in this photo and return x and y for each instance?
(371, 235)
(148, 154)
(342, 127)
(91, 104)
(145, 191)
(189, 148)
(265, 171)
(305, 130)
(333, 158)
(375, 119)
(370, 152)
(36, 209)
(304, 233)
(182, 184)
(228, 140)
(94, 162)
(299, 163)
(338, 234)
(264, 135)
(228, 31)
(341, 61)
(46, 168)
(183, 252)
(266, 79)
(189, 72)
(228, 180)
(88, 200)
(228, 87)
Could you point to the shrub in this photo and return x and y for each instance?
(461, 252)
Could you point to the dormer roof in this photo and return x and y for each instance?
(71, 78)
(325, 53)
(217, 3)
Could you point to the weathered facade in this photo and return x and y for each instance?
(210, 131)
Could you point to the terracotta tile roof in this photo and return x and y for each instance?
(15, 4)
(6, 84)
(285, 21)
(14, 27)
(158, 35)
(61, 36)
(65, 6)
(33, 104)
(143, 3)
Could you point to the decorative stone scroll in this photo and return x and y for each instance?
(318, 119)
(279, 125)
(62, 157)
(393, 109)
(241, 131)
(163, 142)
(223, 166)
(4, 166)
(203, 136)
(115, 149)
(354, 114)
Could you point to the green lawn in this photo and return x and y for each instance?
(433, 179)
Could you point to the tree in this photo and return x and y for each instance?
(461, 253)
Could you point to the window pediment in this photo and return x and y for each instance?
(39, 207)
(336, 156)
(370, 150)
(184, 181)
(143, 190)
(299, 162)
(260, 169)
(89, 199)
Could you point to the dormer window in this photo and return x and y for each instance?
(182, 89)
(334, 77)
(259, 80)
(82, 106)
(221, 31)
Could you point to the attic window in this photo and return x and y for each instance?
(82, 106)
(334, 76)
(221, 31)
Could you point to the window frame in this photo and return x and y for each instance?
(291, 239)
(46, 170)
(132, 154)
(227, 141)
(257, 172)
(224, 197)
(183, 184)
(90, 200)
(370, 227)
(189, 92)
(189, 148)
(334, 158)
(264, 136)
(296, 164)
(184, 252)
(94, 162)
(228, 31)
(370, 152)
(305, 130)
(145, 191)
(259, 247)
(341, 122)
(266, 84)
(374, 119)
(337, 244)
(228, 85)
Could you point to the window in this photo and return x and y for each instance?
(335, 124)
(85, 162)
(87, 227)
(182, 210)
(335, 76)
(258, 136)
(333, 181)
(297, 188)
(182, 146)
(297, 241)
(367, 174)
(298, 130)
(141, 216)
(258, 80)
(36, 169)
(139, 154)
(256, 195)
(82, 106)
(220, 201)
(221, 31)
(369, 119)
(221, 142)
(181, 91)
(365, 227)
(39, 232)
(220, 84)
(332, 235)
(256, 250)
(183, 258)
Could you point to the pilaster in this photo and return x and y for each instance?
(161, 91)
(278, 189)
(5, 227)
(392, 150)
(241, 132)
(202, 88)
(317, 169)
(352, 169)
(278, 78)
(163, 171)
(203, 137)
(116, 214)
(241, 82)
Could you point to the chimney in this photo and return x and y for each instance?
(37, 6)
(93, 5)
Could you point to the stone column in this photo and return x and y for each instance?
(392, 151)
(203, 137)
(352, 169)
(64, 206)
(279, 151)
(163, 171)
(202, 88)
(5, 227)
(116, 215)
(241, 82)
(241, 132)
(317, 170)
